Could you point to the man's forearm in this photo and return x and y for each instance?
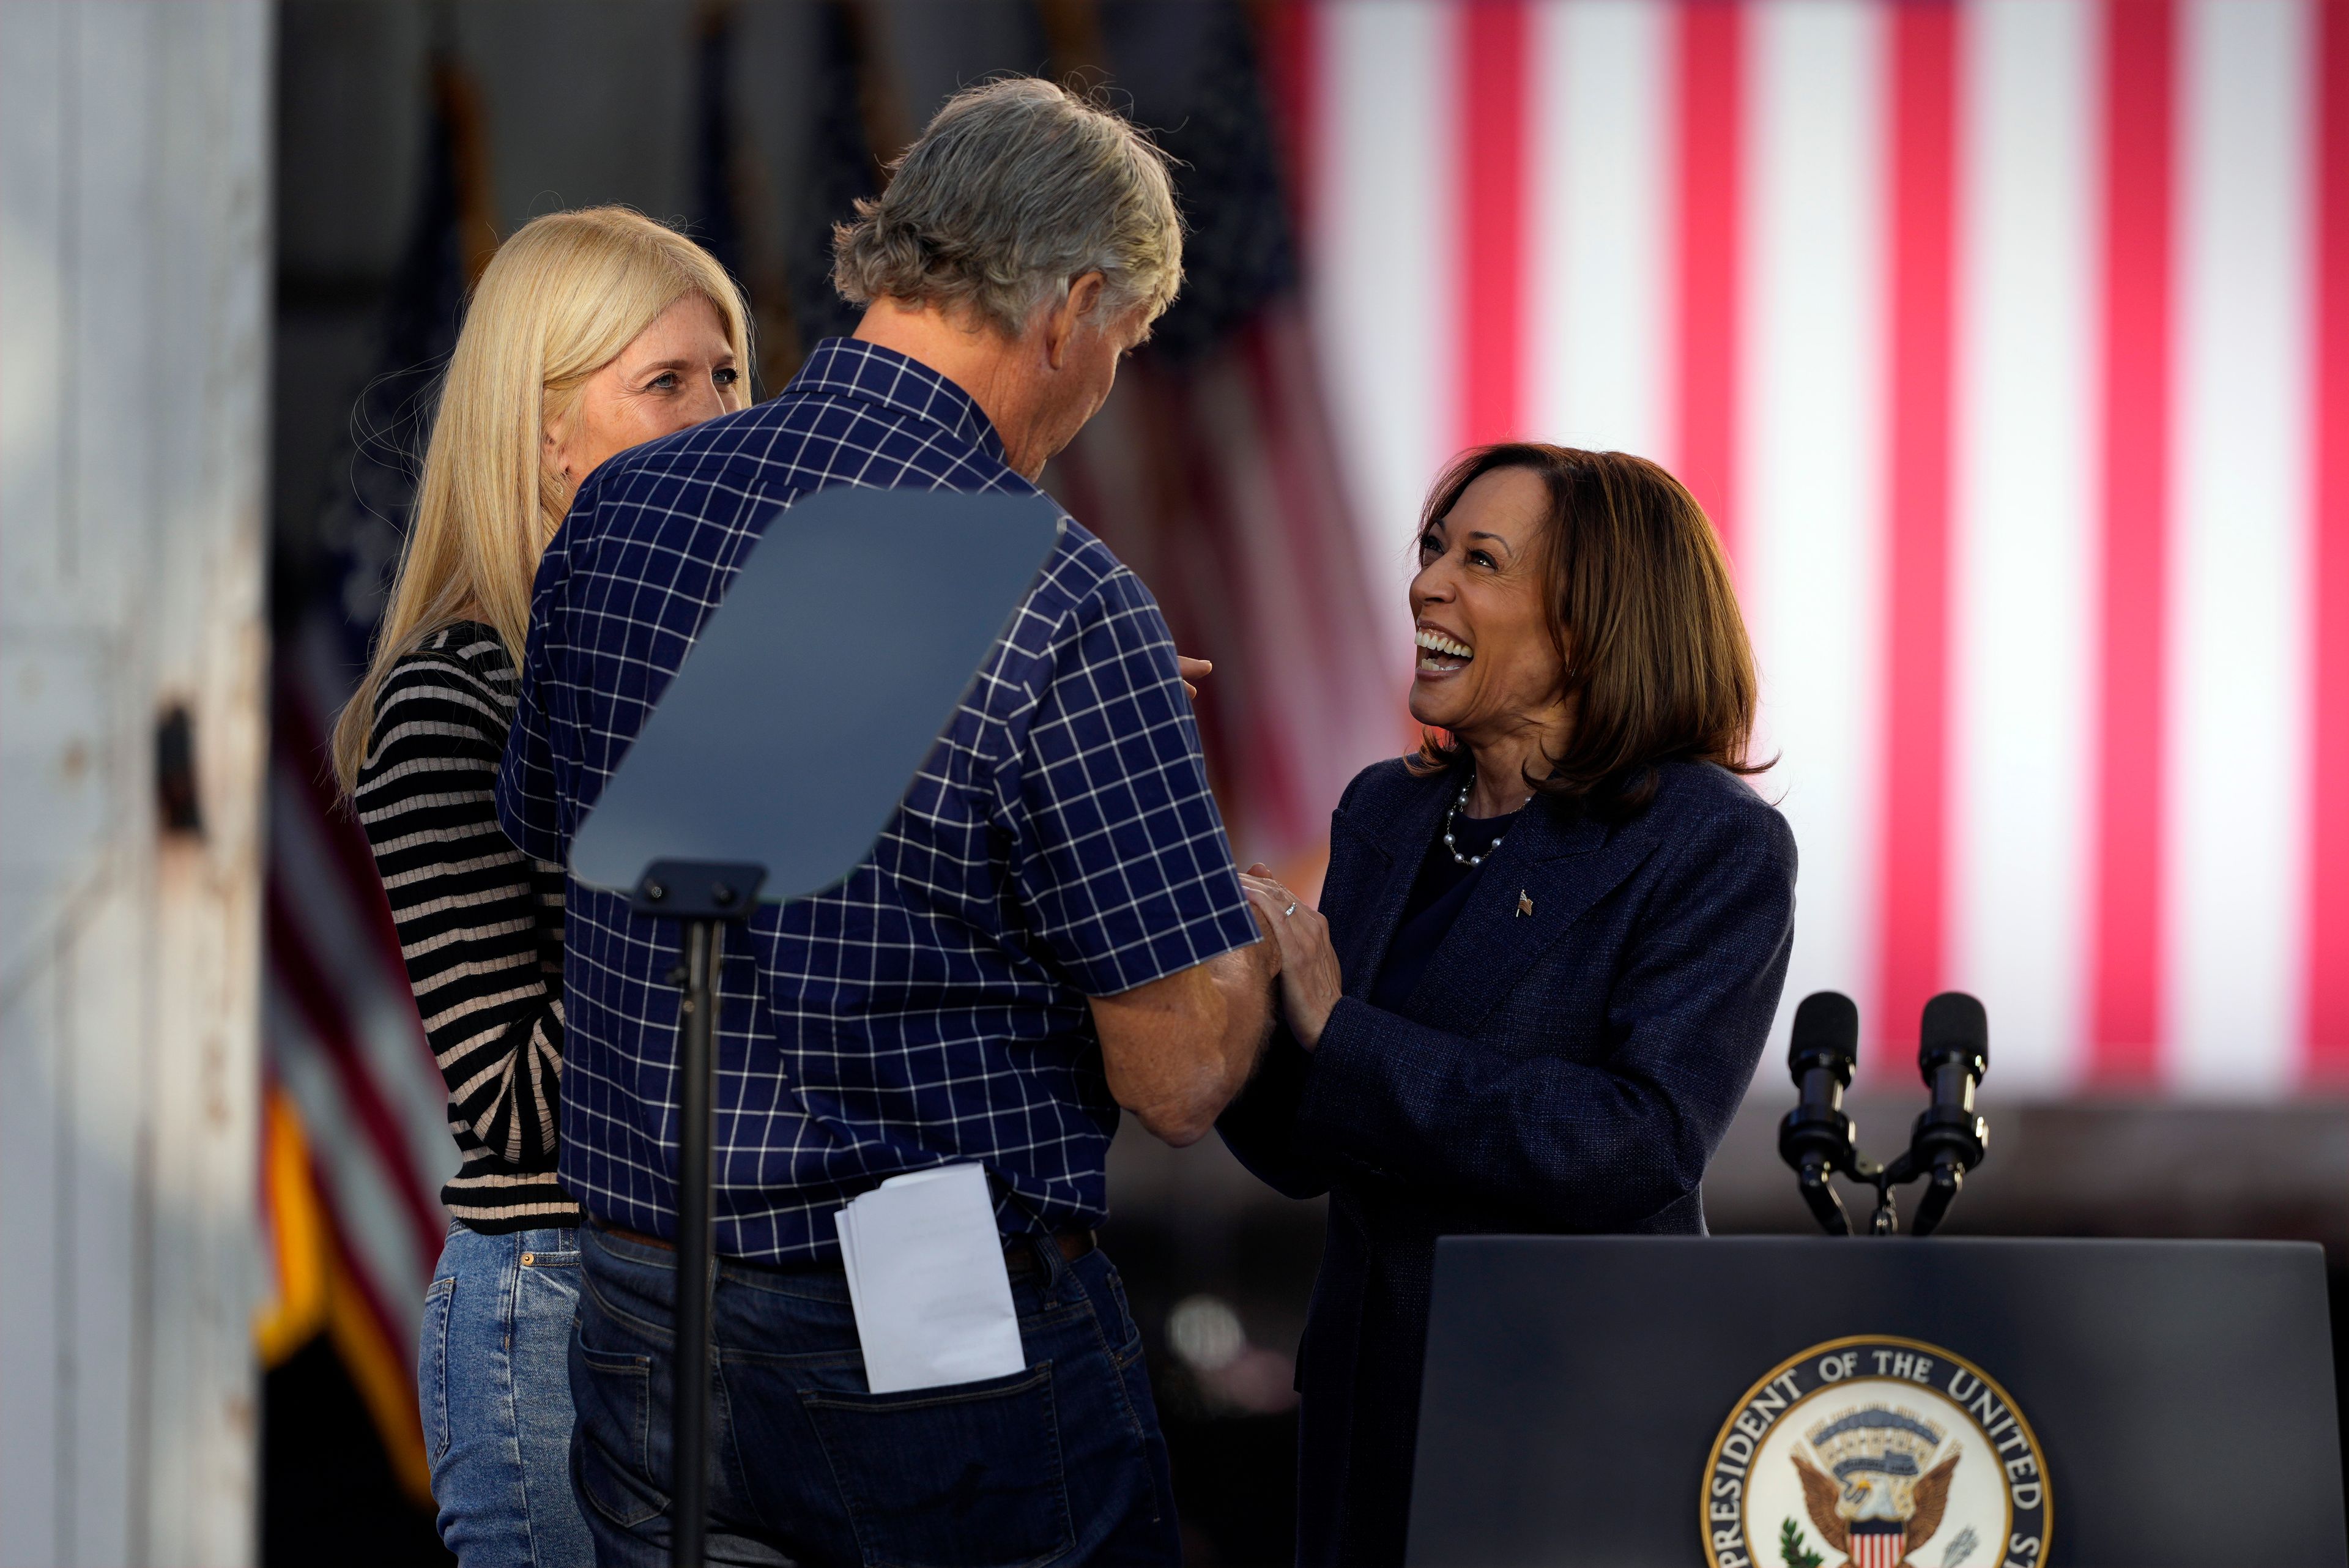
(1251, 1009)
(1179, 1050)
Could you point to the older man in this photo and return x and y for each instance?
(1051, 928)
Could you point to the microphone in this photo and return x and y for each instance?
(1952, 1056)
(1817, 1137)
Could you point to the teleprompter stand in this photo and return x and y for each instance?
(705, 896)
(767, 771)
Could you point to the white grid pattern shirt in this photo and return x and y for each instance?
(1060, 843)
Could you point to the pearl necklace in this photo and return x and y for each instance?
(1457, 808)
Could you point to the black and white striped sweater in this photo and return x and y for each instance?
(481, 924)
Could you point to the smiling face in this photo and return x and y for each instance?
(1487, 664)
(677, 372)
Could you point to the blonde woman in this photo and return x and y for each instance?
(590, 332)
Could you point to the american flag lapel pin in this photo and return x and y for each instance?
(1525, 903)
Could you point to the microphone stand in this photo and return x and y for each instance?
(1950, 1138)
(1827, 1204)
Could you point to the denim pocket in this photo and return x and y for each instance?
(1125, 1335)
(432, 1367)
(614, 1417)
(963, 1476)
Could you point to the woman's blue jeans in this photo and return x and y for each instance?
(1062, 1463)
(493, 1380)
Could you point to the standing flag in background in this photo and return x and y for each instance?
(1212, 473)
(856, 131)
(734, 218)
(357, 1116)
(2008, 345)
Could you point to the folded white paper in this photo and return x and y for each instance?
(927, 1280)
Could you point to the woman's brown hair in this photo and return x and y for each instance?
(1658, 667)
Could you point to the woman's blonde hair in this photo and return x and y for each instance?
(558, 302)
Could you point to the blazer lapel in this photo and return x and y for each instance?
(1402, 839)
(1543, 877)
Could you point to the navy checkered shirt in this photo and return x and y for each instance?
(1060, 843)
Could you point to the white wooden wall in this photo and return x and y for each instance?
(134, 202)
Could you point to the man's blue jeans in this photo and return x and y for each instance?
(493, 1383)
(1060, 1463)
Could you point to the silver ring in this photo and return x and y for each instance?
(1291, 910)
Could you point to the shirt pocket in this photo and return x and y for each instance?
(964, 1476)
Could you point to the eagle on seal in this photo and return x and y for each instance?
(1823, 1498)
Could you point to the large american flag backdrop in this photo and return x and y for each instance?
(2007, 344)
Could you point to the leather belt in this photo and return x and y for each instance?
(1073, 1244)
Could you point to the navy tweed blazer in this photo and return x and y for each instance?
(1569, 1071)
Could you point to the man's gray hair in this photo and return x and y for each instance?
(1016, 190)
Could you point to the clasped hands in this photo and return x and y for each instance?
(1309, 984)
(1310, 981)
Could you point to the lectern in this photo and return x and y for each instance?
(1877, 1402)
(1956, 1403)
(853, 630)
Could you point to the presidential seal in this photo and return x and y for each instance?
(1876, 1452)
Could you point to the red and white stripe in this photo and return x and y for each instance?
(339, 1019)
(1883, 1549)
(2007, 342)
